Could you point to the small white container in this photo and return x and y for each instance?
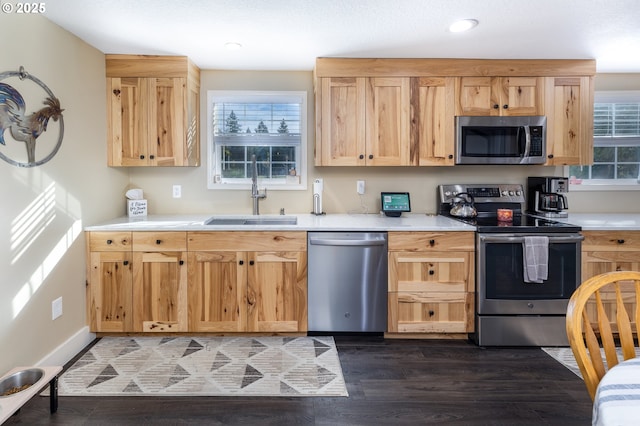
(136, 208)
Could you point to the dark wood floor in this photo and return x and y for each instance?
(390, 382)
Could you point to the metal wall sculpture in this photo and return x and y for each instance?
(24, 128)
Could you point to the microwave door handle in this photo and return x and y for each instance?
(527, 141)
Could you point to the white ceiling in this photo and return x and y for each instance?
(290, 34)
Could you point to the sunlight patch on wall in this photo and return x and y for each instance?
(45, 268)
(32, 222)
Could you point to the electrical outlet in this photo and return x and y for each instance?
(360, 187)
(56, 308)
(177, 191)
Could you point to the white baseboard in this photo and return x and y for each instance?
(70, 348)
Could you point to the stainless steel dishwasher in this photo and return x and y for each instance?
(347, 282)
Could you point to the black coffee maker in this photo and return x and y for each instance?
(546, 196)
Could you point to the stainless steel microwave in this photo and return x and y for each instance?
(501, 140)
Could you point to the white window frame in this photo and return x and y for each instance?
(612, 96)
(298, 182)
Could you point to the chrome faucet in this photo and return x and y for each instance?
(255, 192)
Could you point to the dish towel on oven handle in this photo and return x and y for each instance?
(535, 259)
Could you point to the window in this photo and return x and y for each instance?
(616, 142)
(268, 126)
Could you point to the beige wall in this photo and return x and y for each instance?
(42, 257)
(340, 182)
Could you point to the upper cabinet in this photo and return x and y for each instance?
(368, 121)
(153, 105)
(569, 108)
(487, 96)
(432, 135)
(401, 112)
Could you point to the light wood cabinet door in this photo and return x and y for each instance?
(127, 128)
(499, 96)
(218, 291)
(277, 292)
(387, 121)
(110, 291)
(432, 121)
(362, 121)
(569, 108)
(160, 291)
(341, 119)
(238, 282)
(607, 251)
(152, 111)
(146, 126)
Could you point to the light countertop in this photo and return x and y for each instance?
(605, 221)
(306, 222)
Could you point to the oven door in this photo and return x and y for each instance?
(501, 289)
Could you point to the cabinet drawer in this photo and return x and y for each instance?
(430, 271)
(417, 312)
(248, 241)
(424, 241)
(611, 241)
(109, 241)
(159, 241)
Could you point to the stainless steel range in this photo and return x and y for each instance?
(527, 267)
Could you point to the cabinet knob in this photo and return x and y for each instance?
(496, 106)
(370, 156)
(361, 156)
(620, 241)
(432, 243)
(431, 272)
(158, 242)
(152, 156)
(116, 92)
(241, 262)
(181, 262)
(251, 262)
(109, 241)
(125, 263)
(450, 156)
(505, 106)
(431, 313)
(142, 157)
(550, 156)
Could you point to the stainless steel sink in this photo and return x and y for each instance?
(269, 220)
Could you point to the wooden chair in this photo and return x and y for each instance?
(608, 298)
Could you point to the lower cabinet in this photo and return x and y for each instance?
(248, 281)
(224, 282)
(431, 282)
(110, 288)
(607, 251)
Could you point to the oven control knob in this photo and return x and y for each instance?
(511, 193)
(504, 192)
(518, 193)
(447, 193)
(530, 305)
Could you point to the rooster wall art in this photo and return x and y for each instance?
(25, 128)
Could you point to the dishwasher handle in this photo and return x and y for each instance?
(340, 242)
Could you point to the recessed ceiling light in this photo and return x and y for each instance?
(463, 25)
(232, 46)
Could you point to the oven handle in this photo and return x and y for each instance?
(573, 238)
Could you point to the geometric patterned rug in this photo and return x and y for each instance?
(207, 366)
(565, 357)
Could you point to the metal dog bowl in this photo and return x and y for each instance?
(19, 381)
